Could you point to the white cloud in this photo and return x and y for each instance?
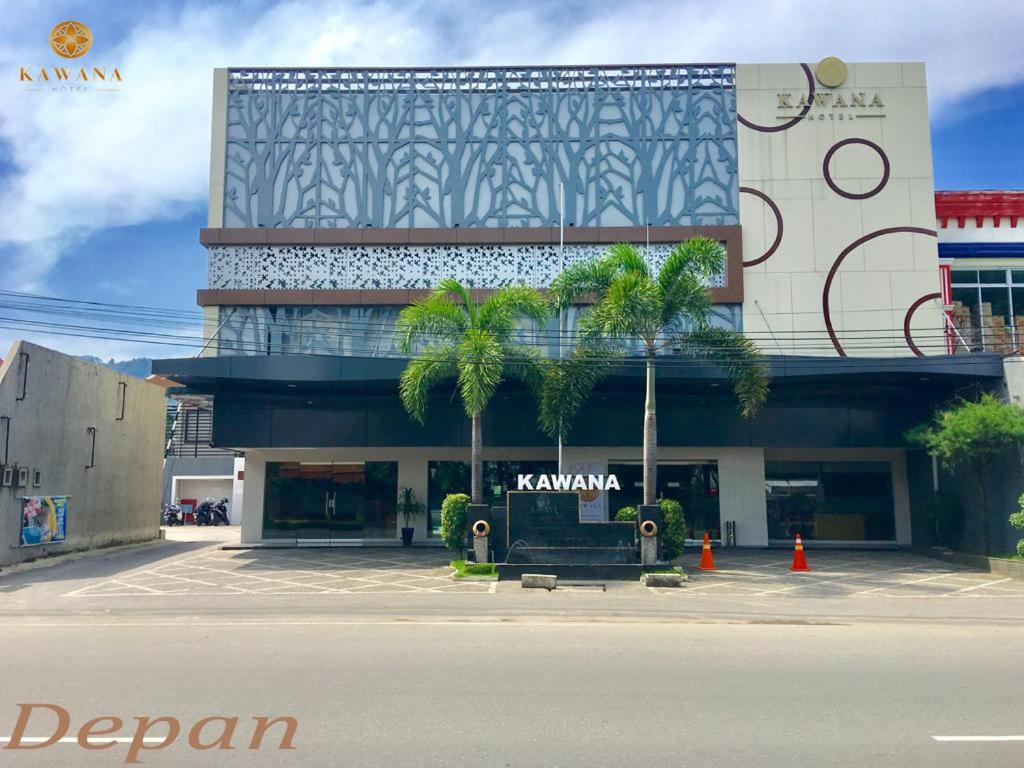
(89, 161)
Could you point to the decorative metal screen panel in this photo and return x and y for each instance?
(392, 267)
(481, 147)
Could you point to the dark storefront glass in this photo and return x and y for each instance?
(694, 486)
(830, 501)
(500, 477)
(354, 500)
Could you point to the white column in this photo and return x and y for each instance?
(741, 495)
(237, 491)
(252, 499)
(901, 499)
(412, 472)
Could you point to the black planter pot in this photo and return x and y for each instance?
(407, 536)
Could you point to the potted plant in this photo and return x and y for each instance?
(409, 507)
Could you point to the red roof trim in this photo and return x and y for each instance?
(988, 203)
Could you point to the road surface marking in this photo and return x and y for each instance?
(978, 738)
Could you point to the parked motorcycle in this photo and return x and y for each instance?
(170, 514)
(220, 512)
(204, 513)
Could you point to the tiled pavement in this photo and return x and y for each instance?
(289, 572)
(843, 574)
(756, 574)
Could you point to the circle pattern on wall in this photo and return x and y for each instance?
(825, 311)
(70, 39)
(789, 123)
(910, 316)
(831, 72)
(778, 226)
(855, 195)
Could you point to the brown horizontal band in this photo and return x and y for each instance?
(456, 235)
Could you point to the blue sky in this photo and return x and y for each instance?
(102, 195)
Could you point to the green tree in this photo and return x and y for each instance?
(454, 337)
(972, 434)
(636, 311)
(1017, 521)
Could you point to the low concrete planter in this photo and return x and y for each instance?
(662, 580)
(539, 581)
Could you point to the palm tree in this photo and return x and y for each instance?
(636, 311)
(457, 338)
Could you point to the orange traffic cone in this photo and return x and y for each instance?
(799, 558)
(707, 562)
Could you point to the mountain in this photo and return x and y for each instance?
(139, 367)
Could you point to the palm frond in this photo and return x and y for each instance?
(435, 364)
(524, 364)
(481, 362)
(626, 257)
(568, 383)
(630, 308)
(452, 286)
(737, 355)
(683, 278)
(435, 317)
(501, 311)
(590, 277)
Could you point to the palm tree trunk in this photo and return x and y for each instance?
(477, 461)
(650, 438)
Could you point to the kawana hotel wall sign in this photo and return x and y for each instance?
(831, 102)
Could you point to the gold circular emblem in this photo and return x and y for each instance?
(71, 39)
(831, 72)
(589, 494)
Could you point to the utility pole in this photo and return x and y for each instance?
(561, 310)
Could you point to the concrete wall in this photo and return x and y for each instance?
(784, 161)
(194, 466)
(51, 400)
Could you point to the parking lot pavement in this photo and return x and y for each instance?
(765, 573)
(213, 571)
(209, 570)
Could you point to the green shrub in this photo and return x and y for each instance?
(626, 515)
(453, 520)
(1017, 521)
(674, 533)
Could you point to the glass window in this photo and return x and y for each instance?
(996, 319)
(830, 501)
(500, 477)
(324, 500)
(967, 316)
(964, 276)
(1018, 275)
(997, 276)
(694, 486)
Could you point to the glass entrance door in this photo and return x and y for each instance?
(693, 485)
(326, 501)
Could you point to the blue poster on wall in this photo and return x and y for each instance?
(43, 519)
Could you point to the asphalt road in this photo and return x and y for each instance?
(511, 679)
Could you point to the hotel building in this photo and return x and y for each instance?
(337, 196)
